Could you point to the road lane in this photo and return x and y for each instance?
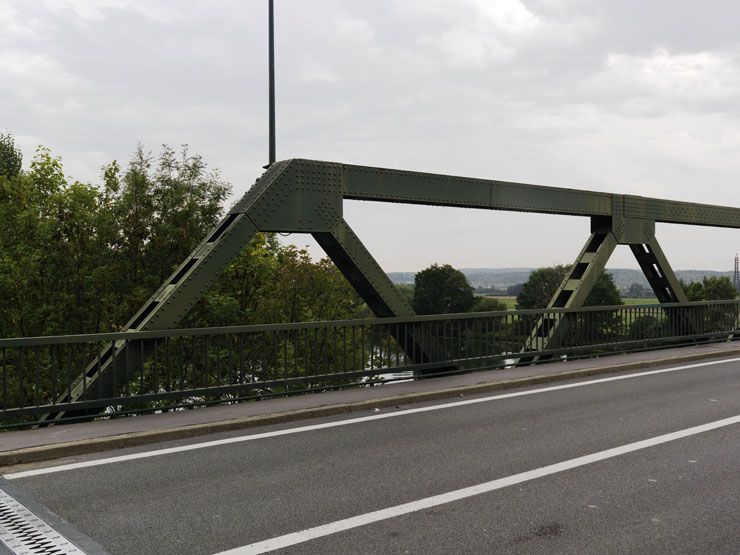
(215, 499)
(680, 497)
(440, 500)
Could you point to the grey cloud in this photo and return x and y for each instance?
(629, 96)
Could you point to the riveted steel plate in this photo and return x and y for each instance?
(307, 197)
(365, 183)
(550, 200)
(263, 183)
(629, 231)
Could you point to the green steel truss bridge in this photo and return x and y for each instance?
(306, 196)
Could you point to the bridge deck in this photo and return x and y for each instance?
(68, 440)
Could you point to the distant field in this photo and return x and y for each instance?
(641, 301)
(511, 301)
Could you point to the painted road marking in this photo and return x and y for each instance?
(288, 540)
(347, 422)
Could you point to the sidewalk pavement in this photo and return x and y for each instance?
(26, 446)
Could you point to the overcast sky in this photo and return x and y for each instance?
(639, 97)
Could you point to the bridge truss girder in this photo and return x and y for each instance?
(305, 196)
(606, 234)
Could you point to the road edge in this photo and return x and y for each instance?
(94, 445)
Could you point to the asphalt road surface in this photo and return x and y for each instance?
(643, 462)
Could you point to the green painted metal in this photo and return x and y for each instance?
(386, 185)
(606, 234)
(362, 271)
(658, 272)
(371, 282)
(306, 196)
(572, 293)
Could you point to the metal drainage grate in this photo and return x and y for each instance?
(24, 533)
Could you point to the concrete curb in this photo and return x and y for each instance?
(94, 445)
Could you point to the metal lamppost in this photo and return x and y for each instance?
(271, 40)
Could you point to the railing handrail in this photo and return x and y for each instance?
(293, 326)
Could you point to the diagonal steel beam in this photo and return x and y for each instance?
(665, 285)
(572, 293)
(362, 271)
(371, 283)
(658, 271)
(175, 297)
(166, 308)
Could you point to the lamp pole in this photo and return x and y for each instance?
(272, 80)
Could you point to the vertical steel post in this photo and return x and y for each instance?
(271, 64)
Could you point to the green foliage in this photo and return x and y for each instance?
(604, 292)
(80, 258)
(717, 288)
(514, 290)
(270, 283)
(537, 291)
(489, 304)
(11, 159)
(647, 327)
(407, 290)
(442, 290)
(694, 290)
(544, 282)
(638, 291)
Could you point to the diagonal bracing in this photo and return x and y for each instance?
(306, 196)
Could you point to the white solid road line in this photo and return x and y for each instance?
(336, 424)
(287, 540)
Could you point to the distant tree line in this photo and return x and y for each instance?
(444, 289)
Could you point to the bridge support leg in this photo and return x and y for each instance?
(665, 285)
(572, 293)
(606, 234)
(165, 309)
(371, 282)
(658, 272)
(363, 272)
(177, 295)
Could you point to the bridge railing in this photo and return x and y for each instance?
(177, 369)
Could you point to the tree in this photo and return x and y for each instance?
(718, 288)
(604, 292)
(442, 290)
(515, 289)
(636, 291)
(187, 201)
(407, 291)
(544, 282)
(81, 258)
(649, 327)
(11, 159)
(694, 290)
(541, 286)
